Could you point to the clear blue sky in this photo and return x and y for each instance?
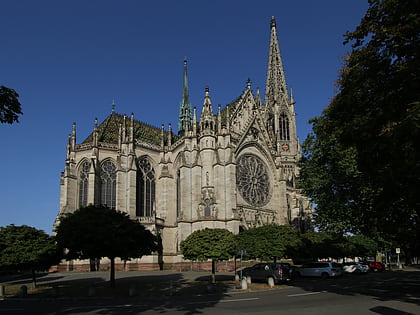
(69, 60)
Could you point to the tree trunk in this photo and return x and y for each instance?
(33, 278)
(112, 275)
(213, 271)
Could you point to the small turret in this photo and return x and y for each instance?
(207, 121)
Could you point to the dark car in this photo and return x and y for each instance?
(280, 272)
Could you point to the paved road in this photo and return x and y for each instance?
(385, 293)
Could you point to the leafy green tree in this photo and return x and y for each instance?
(361, 246)
(10, 107)
(362, 162)
(214, 244)
(269, 242)
(94, 232)
(318, 245)
(27, 248)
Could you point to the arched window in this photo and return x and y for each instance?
(83, 184)
(284, 127)
(108, 184)
(178, 194)
(145, 200)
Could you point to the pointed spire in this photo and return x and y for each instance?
(206, 118)
(169, 134)
(73, 136)
(195, 121)
(292, 99)
(185, 118)
(276, 89)
(113, 107)
(162, 135)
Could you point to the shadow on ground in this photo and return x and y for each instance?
(403, 286)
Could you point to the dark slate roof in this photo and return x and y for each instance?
(108, 130)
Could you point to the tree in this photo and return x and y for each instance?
(365, 145)
(10, 107)
(94, 232)
(24, 247)
(214, 244)
(269, 242)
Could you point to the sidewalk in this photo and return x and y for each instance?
(130, 283)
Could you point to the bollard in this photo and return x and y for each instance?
(244, 284)
(248, 280)
(236, 277)
(271, 282)
(23, 291)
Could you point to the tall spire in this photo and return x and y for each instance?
(276, 89)
(185, 115)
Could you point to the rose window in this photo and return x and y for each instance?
(252, 180)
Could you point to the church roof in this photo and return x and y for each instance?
(108, 130)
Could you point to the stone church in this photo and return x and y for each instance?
(233, 167)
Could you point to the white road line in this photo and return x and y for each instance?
(239, 300)
(303, 294)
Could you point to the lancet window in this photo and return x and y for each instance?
(178, 194)
(108, 178)
(145, 200)
(284, 127)
(83, 184)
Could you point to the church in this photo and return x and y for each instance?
(233, 167)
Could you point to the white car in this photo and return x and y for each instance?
(355, 267)
(324, 269)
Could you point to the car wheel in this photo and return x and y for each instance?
(357, 271)
(375, 269)
(324, 275)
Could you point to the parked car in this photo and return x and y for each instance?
(375, 266)
(355, 267)
(324, 269)
(280, 272)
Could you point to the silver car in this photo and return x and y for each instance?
(355, 267)
(324, 269)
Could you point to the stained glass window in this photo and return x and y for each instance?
(252, 180)
(145, 200)
(83, 184)
(108, 179)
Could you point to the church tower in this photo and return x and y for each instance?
(185, 114)
(279, 106)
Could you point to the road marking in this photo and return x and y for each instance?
(239, 300)
(302, 294)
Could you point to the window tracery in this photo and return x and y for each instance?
(252, 180)
(108, 179)
(84, 184)
(145, 200)
(284, 127)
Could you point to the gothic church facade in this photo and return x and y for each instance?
(232, 168)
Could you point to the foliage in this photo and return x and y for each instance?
(325, 245)
(10, 107)
(98, 231)
(360, 246)
(361, 165)
(269, 242)
(215, 244)
(24, 247)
